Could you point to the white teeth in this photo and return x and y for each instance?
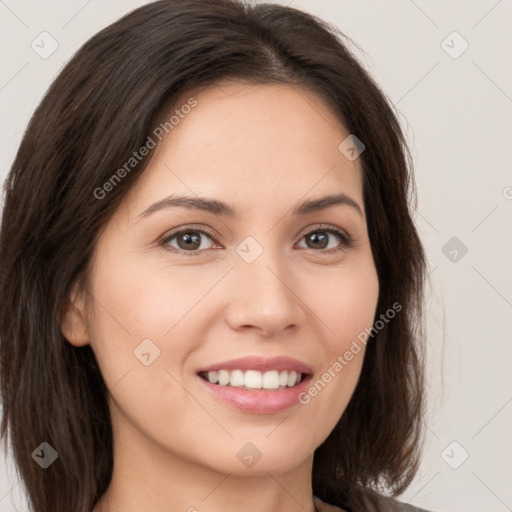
(223, 377)
(271, 380)
(237, 378)
(254, 379)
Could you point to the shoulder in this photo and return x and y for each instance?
(322, 506)
(392, 505)
(385, 505)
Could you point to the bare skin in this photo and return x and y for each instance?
(262, 149)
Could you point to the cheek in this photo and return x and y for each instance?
(346, 306)
(345, 302)
(139, 337)
(145, 301)
(134, 303)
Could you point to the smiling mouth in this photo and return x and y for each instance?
(254, 380)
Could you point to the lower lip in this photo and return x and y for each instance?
(258, 401)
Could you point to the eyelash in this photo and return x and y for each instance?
(325, 228)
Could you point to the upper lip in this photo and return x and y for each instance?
(279, 363)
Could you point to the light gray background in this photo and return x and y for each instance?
(457, 114)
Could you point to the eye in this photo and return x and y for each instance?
(189, 240)
(320, 238)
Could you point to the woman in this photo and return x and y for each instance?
(210, 279)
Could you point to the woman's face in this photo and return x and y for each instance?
(266, 282)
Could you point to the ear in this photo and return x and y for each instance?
(73, 325)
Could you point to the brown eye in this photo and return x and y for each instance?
(318, 240)
(193, 242)
(187, 241)
(321, 239)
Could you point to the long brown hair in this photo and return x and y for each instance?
(96, 114)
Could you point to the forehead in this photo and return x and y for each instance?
(250, 143)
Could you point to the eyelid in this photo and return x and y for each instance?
(191, 227)
(346, 239)
(324, 227)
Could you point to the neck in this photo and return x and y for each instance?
(147, 477)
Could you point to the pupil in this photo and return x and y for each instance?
(195, 239)
(315, 237)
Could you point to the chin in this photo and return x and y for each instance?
(260, 458)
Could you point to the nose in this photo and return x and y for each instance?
(265, 297)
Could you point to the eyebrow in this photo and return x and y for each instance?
(220, 208)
